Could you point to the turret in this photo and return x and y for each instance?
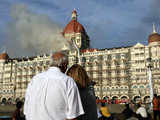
(74, 14)
(74, 31)
(154, 38)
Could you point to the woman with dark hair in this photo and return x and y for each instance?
(88, 98)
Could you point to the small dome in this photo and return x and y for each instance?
(154, 37)
(4, 56)
(74, 27)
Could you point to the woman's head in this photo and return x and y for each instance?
(79, 74)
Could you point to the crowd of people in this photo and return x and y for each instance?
(67, 94)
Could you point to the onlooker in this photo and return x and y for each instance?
(127, 112)
(141, 112)
(132, 105)
(17, 113)
(155, 106)
(52, 95)
(159, 106)
(86, 91)
(105, 112)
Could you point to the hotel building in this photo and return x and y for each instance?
(119, 73)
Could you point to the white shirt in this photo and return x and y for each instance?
(142, 111)
(52, 95)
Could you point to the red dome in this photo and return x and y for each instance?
(155, 37)
(4, 56)
(74, 27)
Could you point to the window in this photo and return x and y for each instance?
(109, 72)
(78, 40)
(136, 54)
(47, 62)
(41, 63)
(118, 79)
(35, 64)
(109, 57)
(134, 87)
(141, 87)
(137, 70)
(73, 38)
(118, 71)
(141, 54)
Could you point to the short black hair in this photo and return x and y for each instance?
(127, 105)
(103, 104)
(155, 95)
(19, 104)
(138, 105)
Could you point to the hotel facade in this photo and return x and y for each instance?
(119, 73)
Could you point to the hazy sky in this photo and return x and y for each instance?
(109, 23)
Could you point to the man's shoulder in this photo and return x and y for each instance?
(39, 75)
(58, 74)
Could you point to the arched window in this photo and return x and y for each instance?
(147, 86)
(141, 87)
(108, 88)
(134, 87)
(4, 100)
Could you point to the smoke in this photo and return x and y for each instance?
(31, 34)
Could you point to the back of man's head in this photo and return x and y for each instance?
(59, 59)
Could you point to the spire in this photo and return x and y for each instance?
(74, 14)
(3, 50)
(154, 29)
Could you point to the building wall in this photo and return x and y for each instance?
(118, 72)
(17, 73)
(121, 72)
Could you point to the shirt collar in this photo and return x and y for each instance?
(54, 69)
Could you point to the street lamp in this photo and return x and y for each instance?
(149, 66)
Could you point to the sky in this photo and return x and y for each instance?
(109, 23)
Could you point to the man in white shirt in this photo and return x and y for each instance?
(141, 111)
(52, 95)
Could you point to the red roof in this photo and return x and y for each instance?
(154, 38)
(74, 27)
(89, 50)
(4, 56)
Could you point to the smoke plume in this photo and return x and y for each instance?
(30, 34)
